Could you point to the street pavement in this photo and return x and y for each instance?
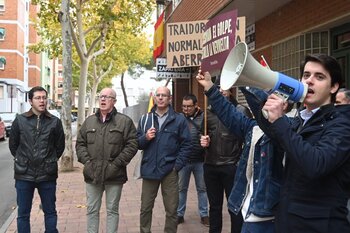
(71, 208)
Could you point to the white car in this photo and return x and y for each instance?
(8, 118)
(55, 113)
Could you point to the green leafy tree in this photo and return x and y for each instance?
(92, 23)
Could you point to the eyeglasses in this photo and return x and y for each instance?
(106, 97)
(40, 97)
(162, 95)
(187, 106)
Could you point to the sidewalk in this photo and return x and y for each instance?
(71, 207)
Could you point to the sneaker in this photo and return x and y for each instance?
(180, 219)
(205, 221)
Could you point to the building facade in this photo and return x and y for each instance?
(19, 69)
(283, 31)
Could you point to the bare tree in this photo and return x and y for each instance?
(67, 157)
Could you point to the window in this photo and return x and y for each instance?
(288, 55)
(1, 92)
(2, 33)
(2, 63)
(2, 5)
(60, 73)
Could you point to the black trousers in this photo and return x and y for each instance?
(219, 180)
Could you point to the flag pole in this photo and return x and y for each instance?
(205, 114)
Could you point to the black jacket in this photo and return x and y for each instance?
(36, 144)
(225, 147)
(196, 126)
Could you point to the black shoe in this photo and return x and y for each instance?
(205, 221)
(180, 219)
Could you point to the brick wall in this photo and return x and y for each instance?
(295, 18)
(191, 10)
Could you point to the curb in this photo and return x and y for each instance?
(8, 222)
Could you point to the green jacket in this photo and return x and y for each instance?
(105, 148)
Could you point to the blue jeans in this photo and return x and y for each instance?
(184, 180)
(94, 194)
(259, 227)
(25, 193)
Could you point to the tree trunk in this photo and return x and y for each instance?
(67, 157)
(123, 89)
(82, 92)
(93, 96)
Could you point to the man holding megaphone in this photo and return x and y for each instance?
(317, 149)
(317, 153)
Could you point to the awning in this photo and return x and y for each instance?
(3, 60)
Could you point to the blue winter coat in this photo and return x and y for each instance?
(170, 148)
(267, 157)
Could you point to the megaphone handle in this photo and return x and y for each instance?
(279, 94)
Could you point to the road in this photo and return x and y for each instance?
(7, 188)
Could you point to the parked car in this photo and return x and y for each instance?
(2, 130)
(8, 118)
(74, 118)
(55, 113)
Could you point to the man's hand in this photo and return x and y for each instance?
(151, 133)
(274, 107)
(204, 79)
(205, 141)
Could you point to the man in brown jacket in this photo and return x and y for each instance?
(105, 145)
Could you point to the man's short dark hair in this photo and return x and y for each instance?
(35, 89)
(330, 64)
(190, 97)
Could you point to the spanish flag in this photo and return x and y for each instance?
(150, 103)
(158, 39)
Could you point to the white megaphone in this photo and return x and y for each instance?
(241, 69)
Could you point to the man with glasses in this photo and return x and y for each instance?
(36, 142)
(194, 116)
(106, 143)
(165, 139)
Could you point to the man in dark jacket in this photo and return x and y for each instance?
(165, 139)
(343, 105)
(314, 195)
(36, 142)
(106, 143)
(194, 164)
(222, 155)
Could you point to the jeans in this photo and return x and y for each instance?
(259, 227)
(25, 193)
(219, 180)
(170, 193)
(94, 199)
(184, 180)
